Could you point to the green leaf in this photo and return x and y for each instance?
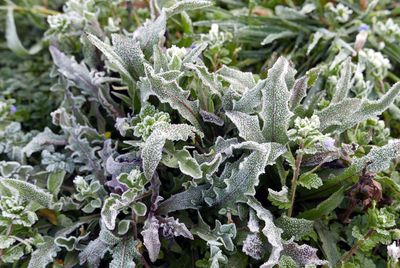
(12, 38)
(293, 227)
(275, 102)
(222, 234)
(310, 181)
(139, 208)
(187, 164)
(6, 241)
(325, 207)
(279, 199)
(329, 243)
(54, 181)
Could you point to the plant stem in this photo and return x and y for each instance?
(355, 247)
(296, 173)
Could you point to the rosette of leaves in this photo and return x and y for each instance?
(194, 148)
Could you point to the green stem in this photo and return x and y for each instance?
(355, 247)
(39, 10)
(296, 173)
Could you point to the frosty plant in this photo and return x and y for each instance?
(163, 155)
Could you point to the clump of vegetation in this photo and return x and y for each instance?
(198, 134)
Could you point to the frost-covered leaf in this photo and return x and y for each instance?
(152, 149)
(244, 177)
(44, 254)
(54, 181)
(340, 116)
(130, 53)
(151, 33)
(222, 234)
(248, 126)
(275, 102)
(26, 191)
(209, 80)
(343, 85)
(191, 198)
(187, 164)
(211, 118)
(151, 239)
(302, 254)
(42, 140)
(279, 198)
(172, 227)
(5, 241)
(293, 227)
(298, 92)
(111, 55)
(124, 254)
(237, 78)
(310, 181)
(183, 5)
(379, 158)
(77, 74)
(270, 231)
(170, 92)
(96, 249)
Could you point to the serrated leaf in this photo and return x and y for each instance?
(242, 181)
(111, 55)
(270, 231)
(279, 199)
(340, 116)
(45, 138)
(222, 234)
(310, 181)
(96, 249)
(275, 102)
(170, 92)
(44, 254)
(303, 255)
(151, 33)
